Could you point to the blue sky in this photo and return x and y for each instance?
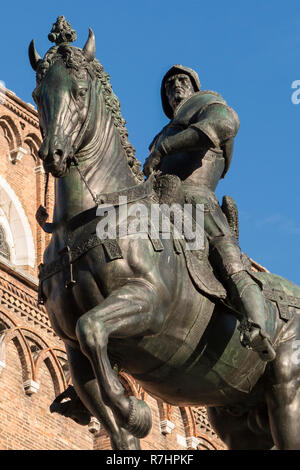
(247, 51)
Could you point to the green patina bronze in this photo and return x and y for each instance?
(169, 317)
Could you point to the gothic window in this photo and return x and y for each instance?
(205, 433)
(4, 248)
(16, 241)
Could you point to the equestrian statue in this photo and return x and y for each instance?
(193, 327)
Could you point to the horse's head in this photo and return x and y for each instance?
(63, 95)
(71, 88)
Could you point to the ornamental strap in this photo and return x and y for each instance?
(60, 263)
(275, 292)
(132, 194)
(69, 255)
(283, 302)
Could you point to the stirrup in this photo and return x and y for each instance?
(254, 338)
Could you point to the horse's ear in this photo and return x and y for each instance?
(89, 49)
(34, 57)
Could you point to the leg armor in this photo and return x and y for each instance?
(244, 293)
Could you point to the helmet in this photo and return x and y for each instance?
(177, 69)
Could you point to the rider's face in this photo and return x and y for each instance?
(178, 88)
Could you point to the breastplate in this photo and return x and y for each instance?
(200, 167)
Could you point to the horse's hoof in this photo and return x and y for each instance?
(124, 440)
(139, 419)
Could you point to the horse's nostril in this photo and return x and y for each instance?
(57, 156)
(58, 153)
(41, 155)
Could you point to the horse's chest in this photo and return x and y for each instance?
(65, 305)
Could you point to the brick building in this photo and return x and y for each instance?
(33, 363)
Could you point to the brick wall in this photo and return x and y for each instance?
(19, 164)
(32, 361)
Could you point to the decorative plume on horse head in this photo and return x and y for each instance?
(147, 305)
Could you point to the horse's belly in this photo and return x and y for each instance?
(197, 384)
(186, 390)
(213, 371)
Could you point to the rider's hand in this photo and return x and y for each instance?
(152, 162)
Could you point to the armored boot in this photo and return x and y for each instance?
(252, 327)
(227, 261)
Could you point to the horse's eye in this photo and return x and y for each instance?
(82, 92)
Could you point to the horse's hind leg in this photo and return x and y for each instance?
(87, 389)
(236, 430)
(283, 393)
(131, 311)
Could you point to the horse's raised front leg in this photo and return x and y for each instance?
(86, 386)
(133, 310)
(283, 392)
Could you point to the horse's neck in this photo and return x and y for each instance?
(103, 164)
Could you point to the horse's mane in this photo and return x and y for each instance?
(75, 60)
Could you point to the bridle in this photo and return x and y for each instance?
(74, 161)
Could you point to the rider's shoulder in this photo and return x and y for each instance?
(199, 100)
(209, 94)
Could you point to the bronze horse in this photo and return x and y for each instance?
(130, 305)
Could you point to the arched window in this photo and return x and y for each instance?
(4, 248)
(16, 231)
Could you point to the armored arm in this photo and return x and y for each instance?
(220, 124)
(214, 125)
(189, 139)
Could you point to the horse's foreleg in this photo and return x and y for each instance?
(131, 311)
(87, 389)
